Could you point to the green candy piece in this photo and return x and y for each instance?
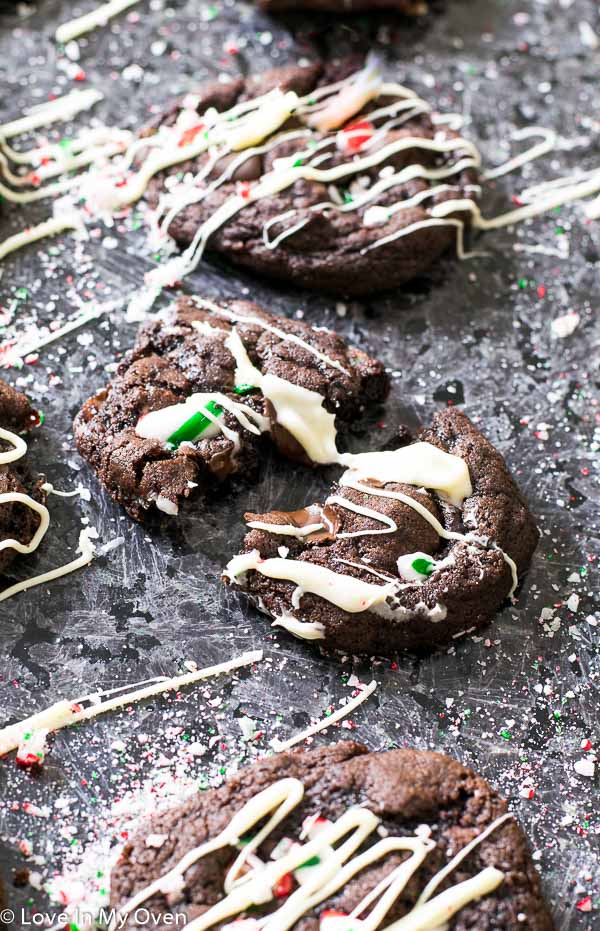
(194, 426)
(313, 861)
(422, 566)
(244, 389)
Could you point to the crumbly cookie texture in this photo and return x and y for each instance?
(326, 234)
(17, 521)
(430, 800)
(424, 570)
(185, 354)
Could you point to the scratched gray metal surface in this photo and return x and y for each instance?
(471, 335)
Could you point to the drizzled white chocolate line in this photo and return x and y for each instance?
(51, 227)
(6, 457)
(65, 713)
(98, 17)
(61, 109)
(265, 325)
(328, 857)
(338, 715)
(93, 153)
(12, 353)
(85, 546)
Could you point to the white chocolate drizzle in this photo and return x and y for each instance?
(66, 712)
(353, 595)
(85, 546)
(53, 111)
(89, 21)
(338, 715)
(51, 227)
(329, 856)
(305, 630)
(419, 464)
(19, 448)
(265, 325)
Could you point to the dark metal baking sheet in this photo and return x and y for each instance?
(516, 702)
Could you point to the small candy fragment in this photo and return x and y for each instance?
(32, 750)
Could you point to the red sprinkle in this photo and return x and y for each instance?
(355, 139)
(30, 759)
(283, 886)
(190, 134)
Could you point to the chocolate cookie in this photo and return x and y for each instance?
(337, 181)
(190, 404)
(408, 838)
(413, 548)
(19, 491)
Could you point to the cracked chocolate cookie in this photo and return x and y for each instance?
(414, 547)
(191, 402)
(329, 177)
(336, 839)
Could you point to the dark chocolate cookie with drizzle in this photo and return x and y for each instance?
(21, 495)
(325, 176)
(192, 401)
(336, 839)
(413, 548)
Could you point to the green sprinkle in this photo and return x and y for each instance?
(194, 426)
(21, 293)
(522, 283)
(298, 163)
(422, 566)
(312, 861)
(505, 734)
(244, 389)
